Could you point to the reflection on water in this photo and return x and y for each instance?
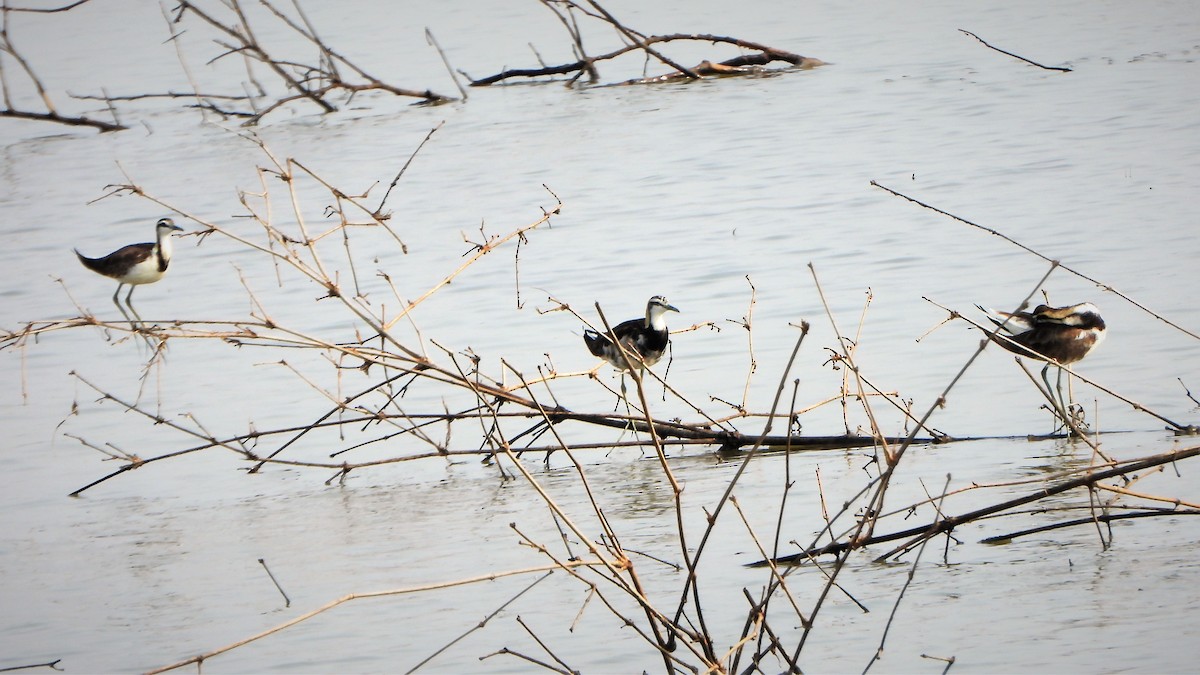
(684, 191)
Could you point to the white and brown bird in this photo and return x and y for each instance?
(1062, 334)
(645, 338)
(135, 264)
(1058, 335)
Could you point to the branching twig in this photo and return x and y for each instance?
(638, 42)
(481, 624)
(361, 596)
(316, 83)
(51, 114)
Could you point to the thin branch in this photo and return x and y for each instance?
(1103, 517)
(481, 624)
(1015, 56)
(950, 522)
(201, 658)
(50, 10)
(1098, 284)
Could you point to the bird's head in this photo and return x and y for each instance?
(166, 226)
(1083, 315)
(656, 309)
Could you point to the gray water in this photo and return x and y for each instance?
(683, 190)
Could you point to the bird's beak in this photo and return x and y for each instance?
(670, 308)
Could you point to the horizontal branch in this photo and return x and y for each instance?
(62, 119)
(167, 94)
(729, 67)
(1101, 518)
(948, 523)
(48, 10)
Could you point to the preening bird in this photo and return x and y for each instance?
(1064, 334)
(135, 264)
(643, 338)
(1058, 335)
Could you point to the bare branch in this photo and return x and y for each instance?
(1015, 56)
(741, 65)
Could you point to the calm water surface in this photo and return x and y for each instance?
(679, 190)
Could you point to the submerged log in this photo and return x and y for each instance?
(745, 64)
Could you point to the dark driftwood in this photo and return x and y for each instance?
(726, 441)
(749, 64)
(62, 119)
(740, 65)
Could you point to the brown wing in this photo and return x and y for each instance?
(119, 261)
(1065, 344)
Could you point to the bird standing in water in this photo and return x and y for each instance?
(135, 264)
(645, 339)
(1059, 336)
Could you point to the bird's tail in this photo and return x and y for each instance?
(595, 342)
(1008, 322)
(89, 263)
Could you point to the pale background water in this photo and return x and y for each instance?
(679, 190)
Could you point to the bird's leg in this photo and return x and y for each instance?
(621, 397)
(116, 298)
(129, 303)
(1075, 411)
(629, 424)
(625, 399)
(140, 324)
(1059, 413)
(1061, 402)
